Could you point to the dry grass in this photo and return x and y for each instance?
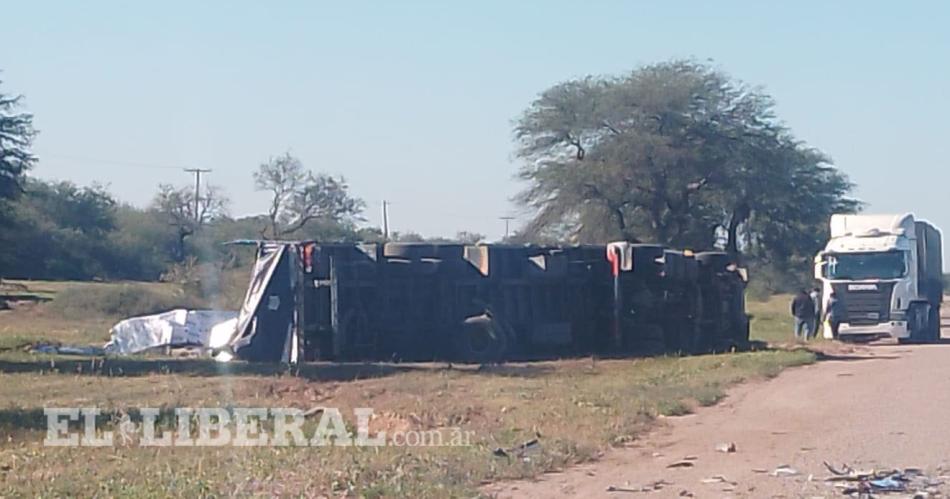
(578, 407)
(771, 319)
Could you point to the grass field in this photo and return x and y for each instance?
(575, 409)
(771, 319)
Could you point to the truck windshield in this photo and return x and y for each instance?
(856, 266)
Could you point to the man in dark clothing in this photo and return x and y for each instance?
(803, 310)
(835, 313)
(816, 297)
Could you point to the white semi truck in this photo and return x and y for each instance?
(887, 272)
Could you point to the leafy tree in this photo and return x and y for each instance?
(61, 232)
(143, 243)
(185, 214)
(407, 237)
(16, 157)
(676, 153)
(461, 237)
(299, 197)
(466, 237)
(369, 235)
(16, 139)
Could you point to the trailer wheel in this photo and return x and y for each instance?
(480, 340)
(919, 325)
(933, 324)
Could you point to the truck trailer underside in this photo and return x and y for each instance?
(486, 303)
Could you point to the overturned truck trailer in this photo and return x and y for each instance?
(485, 303)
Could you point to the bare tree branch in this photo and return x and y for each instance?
(299, 196)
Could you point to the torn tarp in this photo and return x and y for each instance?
(178, 327)
(266, 329)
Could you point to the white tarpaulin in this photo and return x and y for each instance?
(178, 327)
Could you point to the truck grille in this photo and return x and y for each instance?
(865, 304)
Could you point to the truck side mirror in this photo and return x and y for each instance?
(820, 263)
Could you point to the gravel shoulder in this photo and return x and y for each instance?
(880, 406)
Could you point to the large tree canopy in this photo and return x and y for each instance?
(676, 153)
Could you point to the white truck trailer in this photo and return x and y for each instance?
(887, 272)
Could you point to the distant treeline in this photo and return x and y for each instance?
(57, 230)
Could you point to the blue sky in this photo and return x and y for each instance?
(413, 101)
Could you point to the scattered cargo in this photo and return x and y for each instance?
(485, 303)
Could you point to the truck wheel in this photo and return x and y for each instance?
(918, 325)
(933, 324)
(478, 340)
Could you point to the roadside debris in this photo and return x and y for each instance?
(726, 448)
(519, 451)
(719, 479)
(612, 488)
(650, 487)
(785, 470)
(681, 464)
(845, 470)
(67, 350)
(869, 483)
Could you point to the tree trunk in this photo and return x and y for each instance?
(739, 216)
(621, 223)
(180, 250)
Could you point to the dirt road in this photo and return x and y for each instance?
(880, 406)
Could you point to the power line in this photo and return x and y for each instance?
(134, 164)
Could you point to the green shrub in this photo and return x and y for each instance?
(209, 283)
(119, 300)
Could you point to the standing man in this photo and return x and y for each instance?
(834, 314)
(815, 295)
(803, 310)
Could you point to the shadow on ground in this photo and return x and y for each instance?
(528, 367)
(323, 371)
(823, 356)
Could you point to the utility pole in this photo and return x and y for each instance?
(197, 172)
(385, 220)
(507, 220)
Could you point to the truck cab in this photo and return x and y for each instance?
(886, 271)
